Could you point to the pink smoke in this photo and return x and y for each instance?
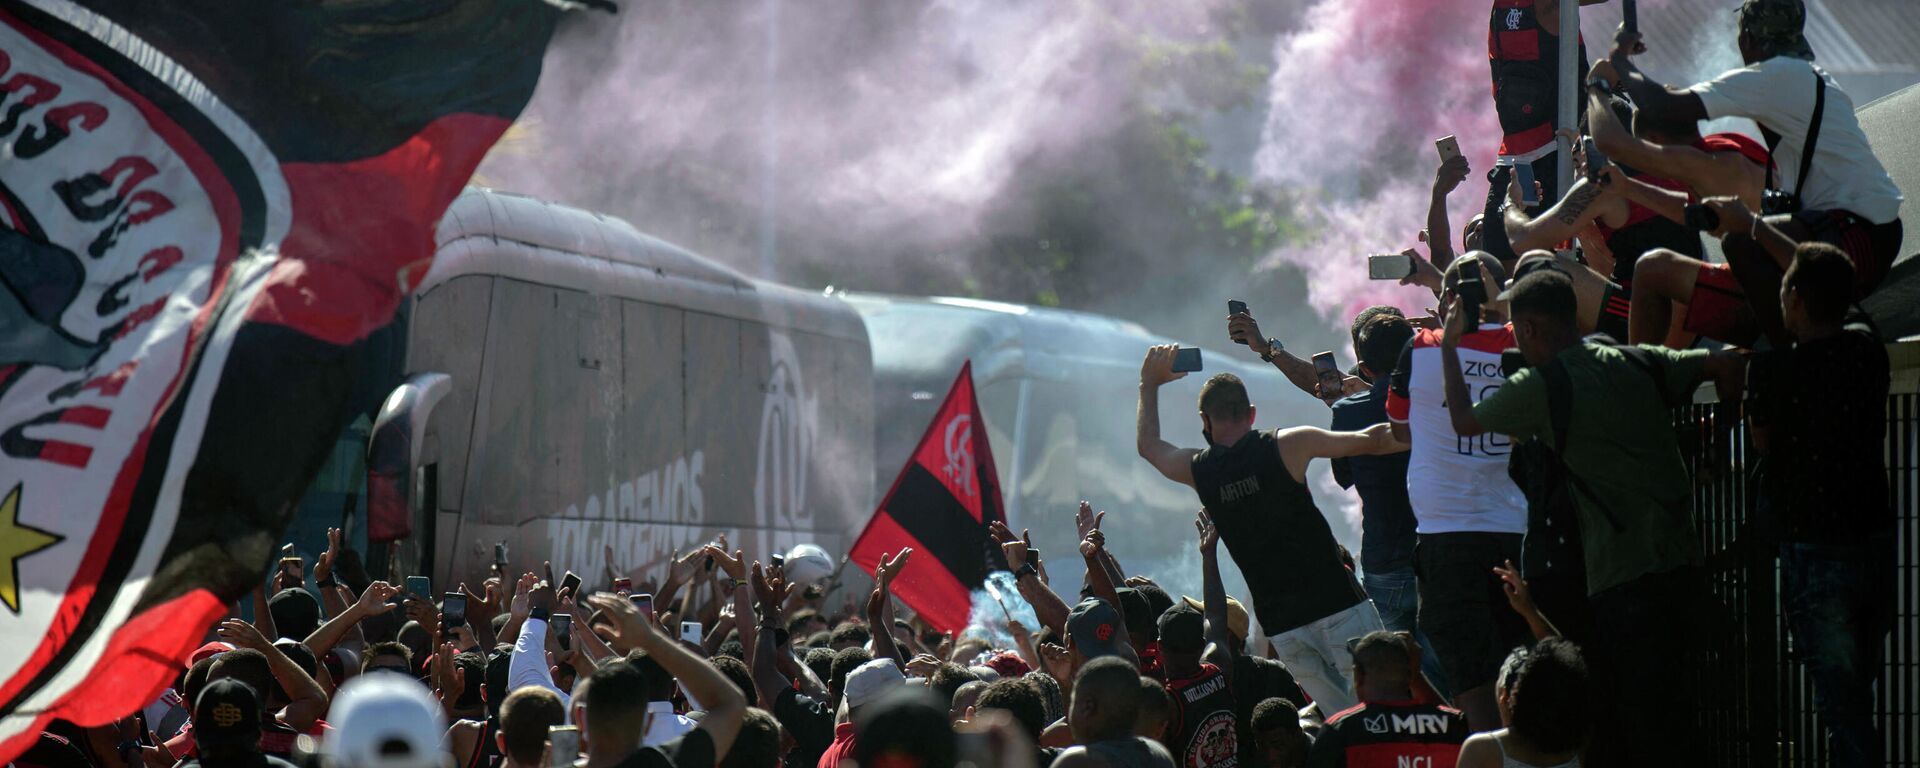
(1359, 93)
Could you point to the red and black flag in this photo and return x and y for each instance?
(205, 208)
(941, 505)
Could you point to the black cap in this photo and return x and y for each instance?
(1183, 629)
(227, 715)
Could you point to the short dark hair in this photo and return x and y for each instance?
(1115, 684)
(736, 670)
(1276, 712)
(475, 665)
(659, 683)
(844, 661)
(245, 665)
(905, 722)
(295, 613)
(1368, 315)
(1021, 699)
(524, 719)
(1545, 294)
(802, 618)
(1224, 397)
(1823, 276)
(850, 632)
(1141, 620)
(389, 648)
(1383, 655)
(196, 678)
(615, 699)
(1158, 601)
(820, 660)
(1551, 696)
(731, 649)
(1153, 701)
(947, 679)
(1381, 341)
(758, 743)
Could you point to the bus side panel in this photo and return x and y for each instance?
(447, 334)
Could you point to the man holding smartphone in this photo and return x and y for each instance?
(1254, 485)
(1469, 516)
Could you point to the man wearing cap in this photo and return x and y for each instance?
(1843, 195)
(226, 728)
(386, 721)
(1630, 488)
(1392, 726)
(866, 684)
(1253, 679)
(1201, 733)
(1254, 483)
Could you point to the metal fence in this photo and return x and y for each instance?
(1756, 699)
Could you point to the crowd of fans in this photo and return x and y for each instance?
(1529, 587)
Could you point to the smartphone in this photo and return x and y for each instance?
(570, 584)
(1702, 218)
(691, 631)
(500, 554)
(1186, 360)
(1449, 148)
(1033, 557)
(453, 610)
(1389, 266)
(563, 745)
(1630, 16)
(1528, 195)
(644, 601)
(1329, 374)
(563, 629)
(1472, 292)
(1595, 160)
(623, 586)
(420, 587)
(1237, 307)
(777, 560)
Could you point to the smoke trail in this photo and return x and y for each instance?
(993, 602)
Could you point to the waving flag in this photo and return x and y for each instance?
(205, 207)
(941, 505)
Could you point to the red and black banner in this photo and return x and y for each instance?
(941, 505)
(205, 208)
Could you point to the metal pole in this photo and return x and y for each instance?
(770, 149)
(1569, 95)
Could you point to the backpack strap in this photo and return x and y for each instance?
(1560, 414)
(1813, 132)
(1651, 365)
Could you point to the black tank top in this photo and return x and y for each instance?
(1204, 734)
(1525, 59)
(1275, 534)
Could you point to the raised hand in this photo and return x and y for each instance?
(1209, 535)
(373, 602)
(521, 591)
(1450, 174)
(1157, 367)
(629, 624)
(923, 665)
(734, 565)
(1085, 521)
(243, 635)
(890, 567)
(1518, 595)
(1056, 660)
(323, 565)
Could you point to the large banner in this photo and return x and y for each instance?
(941, 505)
(204, 206)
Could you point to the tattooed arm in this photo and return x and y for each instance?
(1583, 204)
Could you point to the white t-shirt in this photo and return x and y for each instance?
(1455, 483)
(1779, 94)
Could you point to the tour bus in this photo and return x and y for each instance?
(560, 386)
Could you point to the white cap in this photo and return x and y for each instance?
(807, 565)
(869, 681)
(385, 721)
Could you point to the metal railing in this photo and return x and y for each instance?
(1756, 700)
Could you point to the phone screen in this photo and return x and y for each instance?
(1329, 373)
(570, 584)
(1186, 360)
(1524, 172)
(1389, 266)
(563, 629)
(1033, 557)
(644, 601)
(563, 745)
(453, 609)
(420, 587)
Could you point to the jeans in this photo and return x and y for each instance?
(1397, 597)
(1838, 609)
(1644, 653)
(1317, 655)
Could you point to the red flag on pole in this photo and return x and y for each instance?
(941, 505)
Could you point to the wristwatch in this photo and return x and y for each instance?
(1600, 83)
(538, 613)
(1273, 347)
(1025, 570)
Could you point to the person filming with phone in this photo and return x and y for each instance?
(1254, 484)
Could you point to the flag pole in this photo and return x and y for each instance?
(1569, 95)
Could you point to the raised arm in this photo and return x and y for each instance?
(1174, 463)
(1439, 232)
(1220, 646)
(372, 602)
(1703, 171)
(306, 701)
(1679, 103)
(1571, 214)
(1243, 328)
(1047, 606)
(725, 705)
(772, 597)
(1459, 397)
(879, 628)
(1299, 446)
(528, 665)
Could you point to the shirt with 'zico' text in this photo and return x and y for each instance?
(1390, 734)
(1457, 484)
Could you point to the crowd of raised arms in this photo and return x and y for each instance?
(1528, 591)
